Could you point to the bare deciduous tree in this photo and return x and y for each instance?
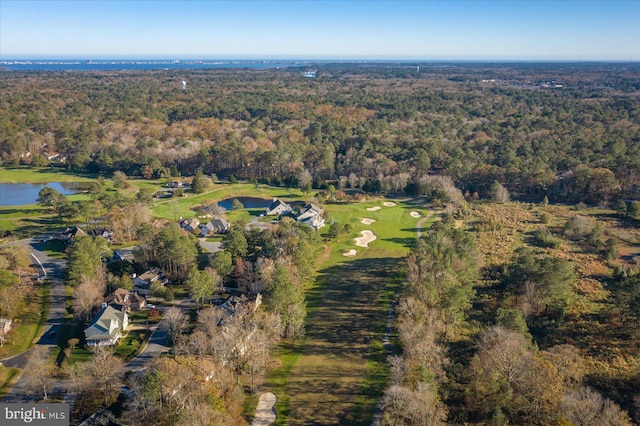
(39, 372)
(88, 294)
(586, 407)
(97, 374)
(413, 407)
(176, 322)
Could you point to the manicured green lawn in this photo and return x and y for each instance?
(277, 382)
(8, 377)
(129, 346)
(339, 371)
(174, 208)
(39, 175)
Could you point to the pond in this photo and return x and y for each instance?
(247, 202)
(20, 194)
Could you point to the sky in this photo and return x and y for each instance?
(324, 29)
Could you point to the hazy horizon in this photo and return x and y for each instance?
(322, 30)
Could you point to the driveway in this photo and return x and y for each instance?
(212, 247)
(157, 343)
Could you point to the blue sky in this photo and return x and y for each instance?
(472, 29)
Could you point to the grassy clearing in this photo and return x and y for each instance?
(39, 175)
(590, 324)
(339, 374)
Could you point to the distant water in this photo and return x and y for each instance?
(119, 65)
(247, 202)
(20, 194)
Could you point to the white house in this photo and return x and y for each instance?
(311, 215)
(106, 327)
(142, 283)
(5, 326)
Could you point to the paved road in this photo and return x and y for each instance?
(51, 269)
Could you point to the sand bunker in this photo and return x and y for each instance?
(415, 214)
(367, 237)
(367, 221)
(388, 204)
(350, 253)
(265, 414)
(373, 209)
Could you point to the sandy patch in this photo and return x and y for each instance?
(367, 221)
(350, 253)
(265, 414)
(415, 214)
(367, 237)
(373, 209)
(388, 204)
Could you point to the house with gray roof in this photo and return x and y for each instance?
(215, 226)
(106, 328)
(311, 215)
(278, 207)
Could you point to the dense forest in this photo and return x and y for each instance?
(570, 132)
(504, 312)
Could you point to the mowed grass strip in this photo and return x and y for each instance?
(347, 305)
(39, 175)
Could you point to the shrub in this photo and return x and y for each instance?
(546, 239)
(577, 227)
(545, 218)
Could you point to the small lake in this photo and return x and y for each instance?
(20, 194)
(247, 202)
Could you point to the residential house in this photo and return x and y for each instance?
(278, 208)
(190, 225)
(215, 226)
(238, 306)
(102, 417)
(55, 157)
(5, 326)
(106, 328)
(104, 233)
(70, 233)
(142, 283)
(311, 215)
(125, 300)
(126, 254)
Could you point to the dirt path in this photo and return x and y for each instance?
(421, 222)
(325, 385)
